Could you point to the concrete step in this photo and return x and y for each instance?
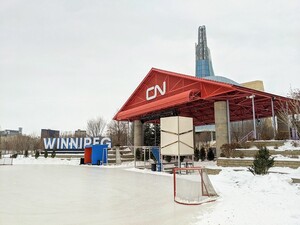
(127, 156)
(111, 161)
(127, 160)
(126, 151)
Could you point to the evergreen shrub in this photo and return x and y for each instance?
(53, 154)
(202, 154)
(46, 154)
(262, 162)
(210, 154)
(196, 154)
(182, 158)
(168, 158)
(37, 154)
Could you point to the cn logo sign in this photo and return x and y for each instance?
(151, 92)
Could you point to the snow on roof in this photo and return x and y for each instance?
(221, 79)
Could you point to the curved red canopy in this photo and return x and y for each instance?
(164, 93)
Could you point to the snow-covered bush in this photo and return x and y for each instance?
(295, 144)
(228, 149)
(241, 155)
(222, 154)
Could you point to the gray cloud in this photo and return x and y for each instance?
(63, 62)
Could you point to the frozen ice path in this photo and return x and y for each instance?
(60, 194)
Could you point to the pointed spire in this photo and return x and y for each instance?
(203, 60)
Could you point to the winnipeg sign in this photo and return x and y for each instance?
(74, 143)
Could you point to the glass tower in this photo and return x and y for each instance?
(203, 60)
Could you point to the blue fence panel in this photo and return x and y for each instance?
(99, 154)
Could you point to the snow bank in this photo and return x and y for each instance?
(247, 199)
(45, 161)
(289, 145)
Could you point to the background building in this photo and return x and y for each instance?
(204, 70)
(203, 60)
(47, 133)
(256, 84)
(80, 133)
(8, 133)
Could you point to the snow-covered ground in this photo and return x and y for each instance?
(34, 192)
(247, 199)
(20, 160)
(289, 145)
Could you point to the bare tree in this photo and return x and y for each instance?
(23, 143)
(289, 113)
(119, 132)
(203, 139)
(95, 127)
(18, 144)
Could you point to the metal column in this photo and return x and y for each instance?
(253, 113)
(228, 122)
(287, 120)
(273, 117)
(179, 163)
(134, 153)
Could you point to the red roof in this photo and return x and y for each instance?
(163, 93)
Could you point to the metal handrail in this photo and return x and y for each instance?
(246, 137)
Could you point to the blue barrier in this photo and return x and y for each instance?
(99, 154)
(158, 167)
(155, 152)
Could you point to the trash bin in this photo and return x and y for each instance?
(153, 167)
(81, 161)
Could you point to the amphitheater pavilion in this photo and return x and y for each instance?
(219, 101)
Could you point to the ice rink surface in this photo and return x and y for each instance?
(79, 195)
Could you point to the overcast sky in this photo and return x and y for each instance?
(64, 62)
